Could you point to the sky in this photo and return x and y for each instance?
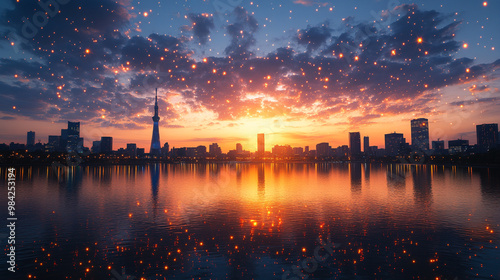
(300, 71)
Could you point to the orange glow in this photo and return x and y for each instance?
(87, 51)
(419, 40)
(356, 58)
(193, 66)
(485, 3)
(341, 55)
(145, 14)
(467, 70)
(465, 45)
(393, 52)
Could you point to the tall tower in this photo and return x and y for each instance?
(155, 140)
(420, 134)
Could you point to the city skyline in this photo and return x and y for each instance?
(313, 73)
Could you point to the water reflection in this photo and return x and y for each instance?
(256, 221)
(355, 175)
(422, 184)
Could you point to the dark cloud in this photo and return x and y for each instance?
(363, 68)
(313, 37)
(201, 25)
(241, 31)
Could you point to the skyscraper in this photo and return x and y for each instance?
(260, 144)
(366, 144)
(394, 143)
(239, 148)
(354, 143)
(74, 129)
(30, 138)
(487, 136)
(106, 144)
(214, 150)
(155, 140)
(420, 134)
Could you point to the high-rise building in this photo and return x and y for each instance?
(214, 149)
(394, 143)
(239, 148)
(306, 150)
(54, 143)
(132, 149)
(106, 144)
(323, 150)
(260, 144)
(155, 139)
(201, 151)
(487, 136)
(165, 149)
(366, 144)
(438, 145)
(458, 146)
(74, 129)
(30, 141)
(354, 143)
(420, 134)
(96, 147)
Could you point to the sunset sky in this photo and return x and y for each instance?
(301, 71)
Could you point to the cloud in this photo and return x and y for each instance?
(360, 71)
(201, 26)
(310, 3)
(241, 31)
(313, 37)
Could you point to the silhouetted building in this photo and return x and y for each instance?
(487, 136)
(155, 148)
(201, 151)
(341, 151)
(366, 145)
(354, 143)
(30, 141)
(306, 150)
(74, 129)
(165, 149)
(394, 143)
(458, 146)
(96, 147)
(106, 145)
(438, 145)
(282, 151)
(261, 149)
(323, 150)
(420, 134)
(214, 150)
(132, 149)
(140, 152)
(298, 151)
(239, 148)
(53, 144)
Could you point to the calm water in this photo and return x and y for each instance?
(256, 221)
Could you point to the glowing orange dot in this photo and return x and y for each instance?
(467, 70)
(485, 3)
(13, 107)
(303, 249)
(356, 58)
(466, 45)
(193, 66)
(205, 60)
(419, 40)
(145, 14)
(393, 52)
(255, 223)
(214, 71)
(87, 51)
(341, 55)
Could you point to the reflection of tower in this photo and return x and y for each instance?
(355, 174)
(261, 180)
(155, 140)
(155, 178)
